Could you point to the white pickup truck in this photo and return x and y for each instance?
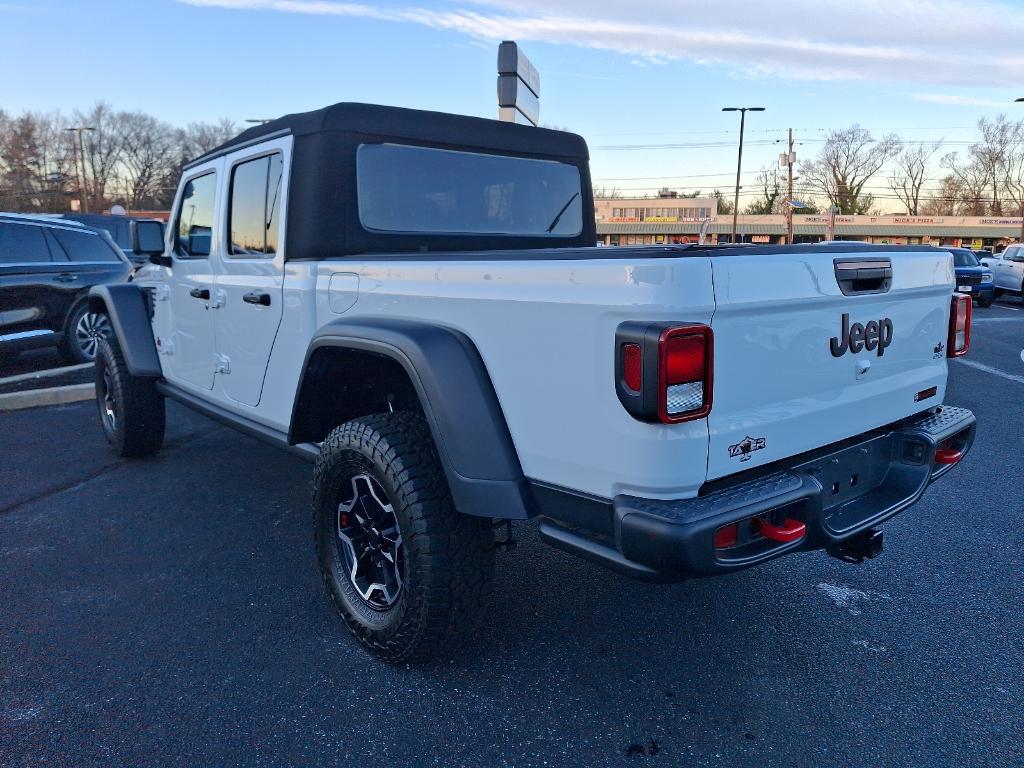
(413, 301)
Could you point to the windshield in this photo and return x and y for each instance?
(964, 259)
(422, 189)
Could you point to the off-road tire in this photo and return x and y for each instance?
(137, 428)
(448, 559)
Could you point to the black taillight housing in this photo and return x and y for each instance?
(664, 371)
(959, 340)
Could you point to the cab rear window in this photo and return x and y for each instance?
(407, 189)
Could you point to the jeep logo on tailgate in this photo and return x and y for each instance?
(877, 334)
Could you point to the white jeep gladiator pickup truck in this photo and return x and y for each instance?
(413, 301)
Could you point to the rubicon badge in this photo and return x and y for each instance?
(745, 447)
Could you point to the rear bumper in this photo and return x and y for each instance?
(833, 496)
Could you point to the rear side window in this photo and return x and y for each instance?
(254, 206)
(428, 190)
(22, 244)
(84, 246)
(194, 225)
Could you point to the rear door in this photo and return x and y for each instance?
(251, 279)
(816, 345)
(35, 290)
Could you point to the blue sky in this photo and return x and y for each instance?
(647, 72)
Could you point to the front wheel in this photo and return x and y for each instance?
(985, 300)
(407, 572)
(131, 409)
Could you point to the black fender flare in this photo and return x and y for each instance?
(458, 400)
(126, 306)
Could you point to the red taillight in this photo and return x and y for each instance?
(685, 355)
(948, 456)
(632, 366)
(959, 326)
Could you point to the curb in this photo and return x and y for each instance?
(36, 398)
(45, 373)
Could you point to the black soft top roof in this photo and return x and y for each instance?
(323, 217)
(416, 125)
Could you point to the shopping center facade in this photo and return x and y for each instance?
(656, 221)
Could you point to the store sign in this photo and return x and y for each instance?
(623, 219)
(916, 220)
(761, 239)
(1000, 221)
(977, 244)
(518, 86)
(661, 219)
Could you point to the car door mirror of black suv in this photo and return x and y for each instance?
(148, 240)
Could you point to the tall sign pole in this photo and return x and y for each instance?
(518, 86)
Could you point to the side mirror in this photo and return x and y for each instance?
(199, 244)
(148, 240)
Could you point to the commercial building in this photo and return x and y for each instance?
(969, 231)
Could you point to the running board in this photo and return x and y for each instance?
(269, 435)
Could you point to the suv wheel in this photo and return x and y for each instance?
(407, 572)
(131, 409)
(83, 334)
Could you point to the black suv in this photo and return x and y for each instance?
(47, 266)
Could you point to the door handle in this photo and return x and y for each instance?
(65, 277)
(255, 297)
(200, 293)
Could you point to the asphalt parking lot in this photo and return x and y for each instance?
(170, 612)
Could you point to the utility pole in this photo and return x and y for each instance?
(739, 161)
(789, 194)
(82, 192)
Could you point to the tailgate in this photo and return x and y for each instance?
(786, 379)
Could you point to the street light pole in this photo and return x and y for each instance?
(82, 193)
(739, 161)
(1022, 207)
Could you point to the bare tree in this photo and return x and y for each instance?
(971, 182)
(604, 193)
(1012, 168)
(849, 160)
(147, 152)
(990, 155)
(102, 148)
(199, 138)
(909, 172)
(769, 180)
(947, 201)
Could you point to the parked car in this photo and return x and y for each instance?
(413, 301)
(47, 266)
(1007, 270)
(972, 277)
(118, 227)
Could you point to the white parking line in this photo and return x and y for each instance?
(994, 371)
(975, 320)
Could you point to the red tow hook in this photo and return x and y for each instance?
(948, 456)
(790, 530)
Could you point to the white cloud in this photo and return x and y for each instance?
(954, 100)
(871, 40)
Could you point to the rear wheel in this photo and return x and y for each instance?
(407, 572)
(131, 409)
